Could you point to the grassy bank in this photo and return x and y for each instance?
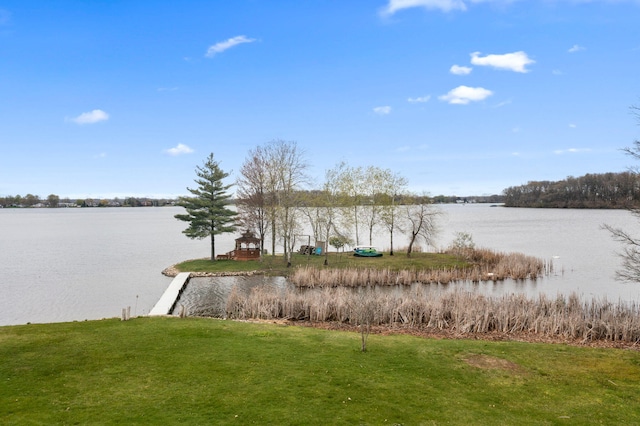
(200, 371)
(277, 265)
(481, 264)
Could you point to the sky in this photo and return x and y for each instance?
(116, 98)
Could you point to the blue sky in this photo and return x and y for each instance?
(462, 97)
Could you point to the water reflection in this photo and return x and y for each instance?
(207, 297)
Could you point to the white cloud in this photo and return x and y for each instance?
(516, 61)
(557, 72)
(403, 148)
(573, 126)
(227, 44)
(444, 5)
(576, 48)
(419, 99)
(382, 110)
(462, 95)
(459, 70)
(90, 117)
(179, 150)
(571, 151)
(503, 103)
(101, 155)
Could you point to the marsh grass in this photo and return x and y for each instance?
(460, 312)
(481, 265)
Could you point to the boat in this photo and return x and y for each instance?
(366, 251)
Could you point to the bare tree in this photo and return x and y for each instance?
(630, 270)
(287, 173)
(363, 307)
(634, 151)
(271, 178)
(311, 201)
(421, 219)
(630, 254)
(395, 185)
(374, 186)
(369, 196)
(349, 180)
(254, 195)
(462, 246)
(329, 205)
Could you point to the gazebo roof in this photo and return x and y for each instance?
(248, 238)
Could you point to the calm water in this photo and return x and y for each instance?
(584, 255)
(75, 264)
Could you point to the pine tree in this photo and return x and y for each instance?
(207, 211)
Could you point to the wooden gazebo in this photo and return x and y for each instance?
(247, 247)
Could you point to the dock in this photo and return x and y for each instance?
(166, 303)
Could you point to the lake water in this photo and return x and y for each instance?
(76, 264)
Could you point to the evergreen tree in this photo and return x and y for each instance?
(207, 211)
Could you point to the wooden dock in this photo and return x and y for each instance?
(166, 303)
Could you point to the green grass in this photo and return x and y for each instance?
(277, 265)
(202, 371)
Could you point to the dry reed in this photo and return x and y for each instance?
(486, 265)
(457, 311)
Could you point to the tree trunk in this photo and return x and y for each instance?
(261, 245)
(326, 245)
(273, 237)
(413, 239)
(355, 218)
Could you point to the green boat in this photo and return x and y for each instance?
(366, 251)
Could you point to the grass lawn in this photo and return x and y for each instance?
(277, 265)
(202, 371)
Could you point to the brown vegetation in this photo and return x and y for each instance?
(486, 265)
(458, 312)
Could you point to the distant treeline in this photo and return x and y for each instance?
(54, 201)
(446, 199)
(592, 191)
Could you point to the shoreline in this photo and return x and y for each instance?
(172, 272)
(419, 331)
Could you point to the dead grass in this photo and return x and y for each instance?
(492, 363)
(485, 265)
(462, 313)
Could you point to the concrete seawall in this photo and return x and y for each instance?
(168, 300)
